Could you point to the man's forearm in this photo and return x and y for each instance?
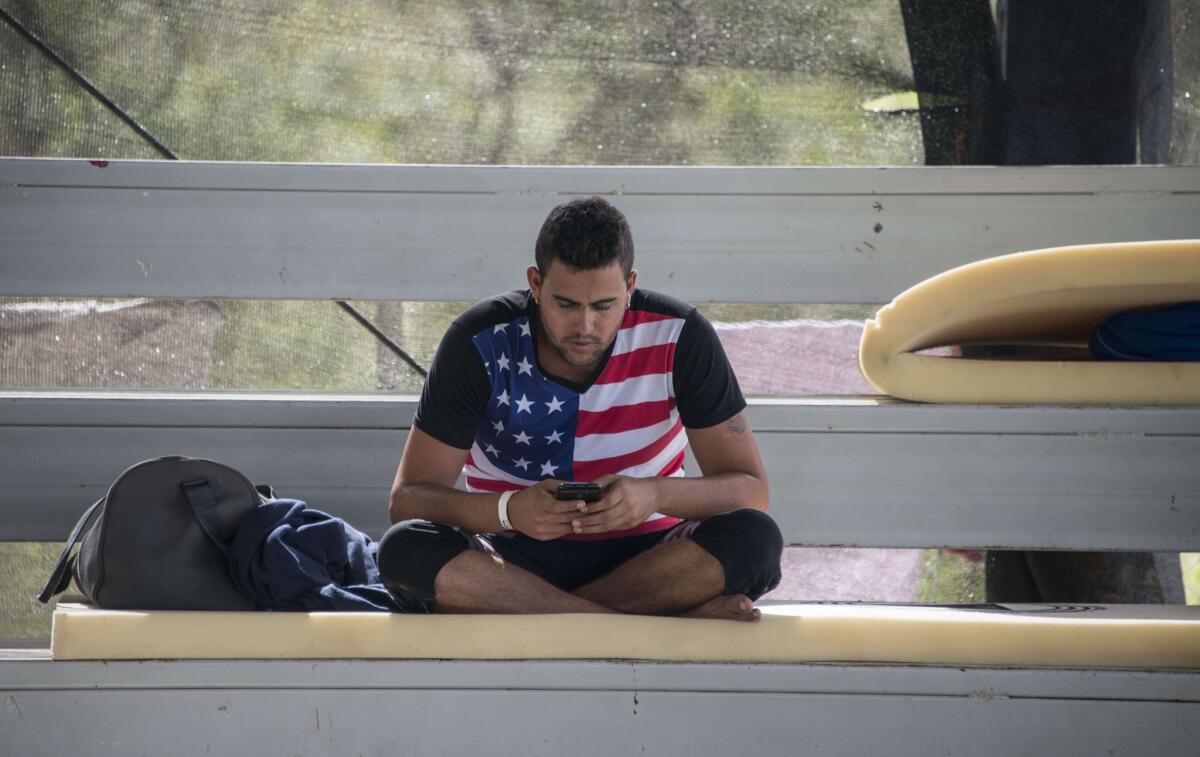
(472, 512)
(686, 498)
(699, 498)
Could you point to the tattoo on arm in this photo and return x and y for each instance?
(736, 425)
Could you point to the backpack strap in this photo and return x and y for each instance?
(60, 579)
(200, 496)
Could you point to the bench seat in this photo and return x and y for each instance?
(1025, 679)
(1145, 637)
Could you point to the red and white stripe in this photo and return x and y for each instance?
(628, 423)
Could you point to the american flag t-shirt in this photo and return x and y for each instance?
(625, 423)
(487, 395)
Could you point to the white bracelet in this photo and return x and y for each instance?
(502, 509)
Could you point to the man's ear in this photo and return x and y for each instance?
(534, 277)
(630, 283)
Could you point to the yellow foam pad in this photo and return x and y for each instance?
(1100, 636)
(1054, 296)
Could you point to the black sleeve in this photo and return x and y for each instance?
(456, 391)
(706, 391)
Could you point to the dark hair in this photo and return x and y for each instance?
(585, 234)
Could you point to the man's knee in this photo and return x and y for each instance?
(410, 556)
(749, 546)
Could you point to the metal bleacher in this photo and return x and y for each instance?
(859, 471)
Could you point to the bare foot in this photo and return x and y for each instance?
(733, 607)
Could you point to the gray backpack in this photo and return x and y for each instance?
(161, 539)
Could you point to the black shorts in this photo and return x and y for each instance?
(746, 542)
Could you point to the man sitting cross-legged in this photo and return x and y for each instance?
(582, 377)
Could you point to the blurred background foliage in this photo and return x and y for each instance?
(621, 83)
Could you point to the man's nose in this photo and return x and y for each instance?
(587, 320)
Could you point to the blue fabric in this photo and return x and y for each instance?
(285, 556)
(1172, 334)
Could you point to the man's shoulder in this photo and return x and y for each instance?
(493, 311)
(651, 301)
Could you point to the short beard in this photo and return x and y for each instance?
(595, 357)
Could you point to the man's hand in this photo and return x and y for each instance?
(536, 513)
(626, 503)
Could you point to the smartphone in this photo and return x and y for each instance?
(585, 492)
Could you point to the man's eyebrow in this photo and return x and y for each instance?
(569, 301)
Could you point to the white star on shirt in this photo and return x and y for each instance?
(522, 463)
(524, 367)
(499, 426)
(524, 404)
(548, 469)
(555, 437)
(499, 327)
(555, 404)
(503, 362)
(492, 450)
(503, 398)
(525, 329)
(522, 438)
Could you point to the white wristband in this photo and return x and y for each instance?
(502, 509)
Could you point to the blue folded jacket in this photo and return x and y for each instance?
(1171, 334)
(285, 556)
